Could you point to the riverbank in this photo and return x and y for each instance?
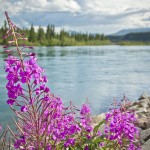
(70, 42)
(142, 111)
(64, 42)
(133, 43)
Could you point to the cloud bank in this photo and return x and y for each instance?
(80, 15)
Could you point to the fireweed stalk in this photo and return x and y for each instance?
(120, 126)
(43, 123)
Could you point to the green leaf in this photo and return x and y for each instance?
(95, 130)
(99, 139)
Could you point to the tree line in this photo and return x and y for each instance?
(51, 38)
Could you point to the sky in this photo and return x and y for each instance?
(92, 16)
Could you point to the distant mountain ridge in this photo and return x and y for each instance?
(135, 35)
(127, 31)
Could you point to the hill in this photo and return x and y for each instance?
(127, 31)
(136, 37)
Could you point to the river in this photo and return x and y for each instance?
(93, 74)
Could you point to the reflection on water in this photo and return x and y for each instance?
(63, 52)
(68, 51)
(50, 52)
(97, 74)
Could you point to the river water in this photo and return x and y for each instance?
(93, 74)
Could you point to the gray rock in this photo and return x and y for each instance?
(98, 118)
(143, 96)
(142, 111)
(146, 145)
(133, 107)
(143, 122)
(140, 106)
(145, 135)
(145, 102)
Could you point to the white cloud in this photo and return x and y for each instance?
(135, 20)
(41, 6)
(32, 6)
(113, 7)
(102, 16)
(117, 14)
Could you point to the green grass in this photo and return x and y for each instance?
(133, 43)
(73, 42)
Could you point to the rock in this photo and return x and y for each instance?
(142, 110)
(144, 122)
(143, 104)
(145, 135)
(146, 145)
(133, 107)
(145, 139)
(97, 119)
(143, 96)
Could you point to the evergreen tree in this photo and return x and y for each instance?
(52, 30)
(41, 34)
(48, 33)
(102, 37)
(97, 37)
(4, 30)
(32, 36)
(62, 34)
(1, 34)
(63, 38)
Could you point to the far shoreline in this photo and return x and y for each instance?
(112, 44)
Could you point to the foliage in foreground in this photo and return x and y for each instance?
(44, 123)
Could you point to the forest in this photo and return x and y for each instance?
(52, 38)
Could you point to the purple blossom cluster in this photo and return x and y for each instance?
(28, 73)
(48, 118)
(43, 121)
(85, 118)
(120, 127)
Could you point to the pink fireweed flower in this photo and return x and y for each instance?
(10, 102)
(19, 143)
(69, 142)
(120, 126)
(1, 128)
(85, 110)
(11, 41)
(5, 46)
(24, 109)
(23, 39)
(31, 54)
(86, 119)
(8, 51)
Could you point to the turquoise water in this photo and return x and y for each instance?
(95, 74)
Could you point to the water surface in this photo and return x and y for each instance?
(95, 74)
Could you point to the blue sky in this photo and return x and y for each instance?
(101, 16)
